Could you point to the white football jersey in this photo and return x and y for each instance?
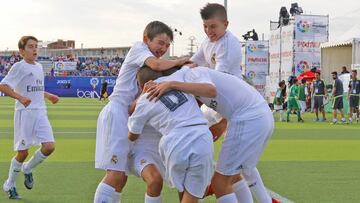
(234, 95)
(223, 55)
(27, 80)
(173, 111)
(126, 87)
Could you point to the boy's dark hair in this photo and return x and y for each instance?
(145, 74)
(354, 70)
(334, 73)
(156, 27)
(213, 10)
(281, 83)
(303, 81)
(318, 72)
(23, 41)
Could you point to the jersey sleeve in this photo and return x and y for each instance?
(198, 75)
(139, 54)
(14, 76)
(140, 116)
(199, 57)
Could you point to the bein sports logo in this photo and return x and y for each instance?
(251, 48)
(87, 94)
(303, 26)
(251, 75)
(302, 66)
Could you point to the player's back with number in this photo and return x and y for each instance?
(174, 110)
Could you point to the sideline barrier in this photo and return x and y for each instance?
(82, 87)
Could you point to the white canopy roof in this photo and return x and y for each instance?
(337, 43)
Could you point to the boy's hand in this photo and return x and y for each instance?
(148, 85)
(183, 60)
(53, 98)
(156, 91)
(24, 101)
(192, 65)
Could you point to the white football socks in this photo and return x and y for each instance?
(104, 193)
(116, 197)
(229, 198)
(257, 186)
(242, 191)
(35, 160)
(149, 199)
(15, 168)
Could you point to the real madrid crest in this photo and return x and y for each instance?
(213, 104)
(114, 159)
(213, 59)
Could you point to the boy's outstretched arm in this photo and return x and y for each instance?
(158, 64)
(197, 89)
(51, 97)
(11, 93)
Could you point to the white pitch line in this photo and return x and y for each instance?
(279, 197)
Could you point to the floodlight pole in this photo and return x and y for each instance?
(225, 4)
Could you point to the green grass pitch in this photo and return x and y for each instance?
(304, 162)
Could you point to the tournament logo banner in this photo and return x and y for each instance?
(65, 66)
(312, 28)
(257, 63)
(310, 32)
(305, 61)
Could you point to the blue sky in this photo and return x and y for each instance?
(110, 23)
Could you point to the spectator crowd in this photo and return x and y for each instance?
(85, 66)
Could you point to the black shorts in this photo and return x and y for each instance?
(338, 103)
(318, 102)
(354, 101)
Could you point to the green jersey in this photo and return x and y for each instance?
(292, 102)
(301, 94)
(293, 91)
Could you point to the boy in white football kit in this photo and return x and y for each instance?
(112, 145)
(250, 126)
(185, 147)
(25, 83)
(222, 51)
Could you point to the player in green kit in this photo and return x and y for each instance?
(292, 100)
